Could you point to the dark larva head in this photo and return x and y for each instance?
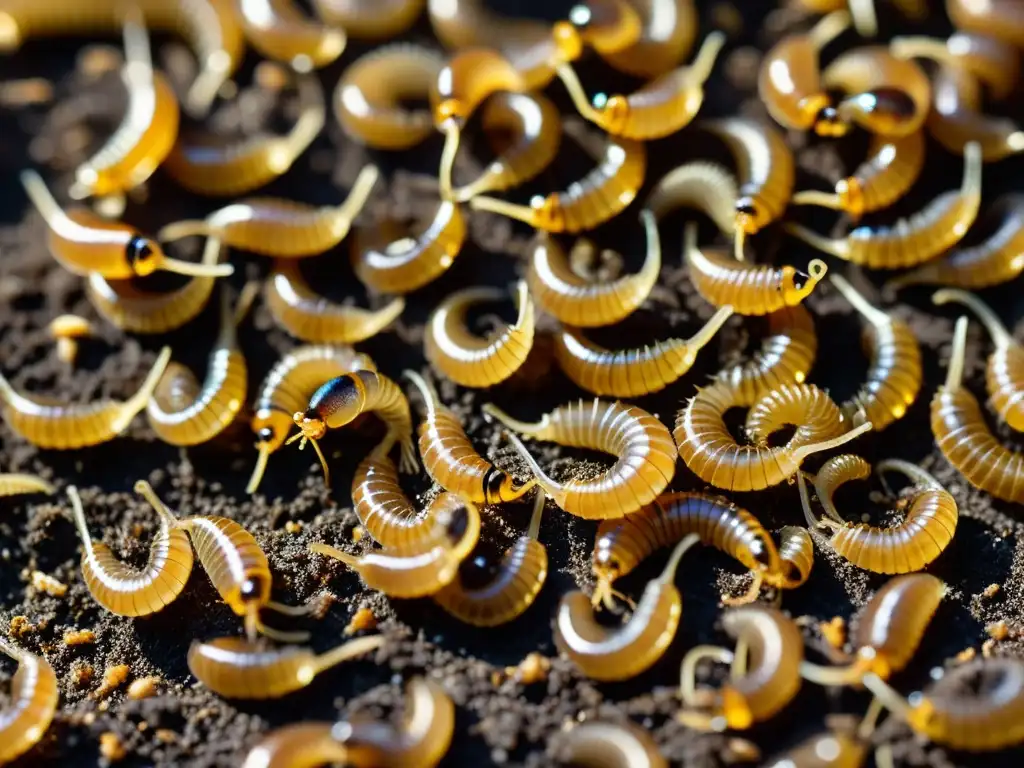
(255, 589)
(337, 402)
(143, 255)
(884, 111)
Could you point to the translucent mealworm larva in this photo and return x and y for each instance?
(287, 389)
(279, 228)
(964, 438)
(608, 745)
(1001, 19)
(934, 229)
(308, 316)
(622, 544)
(645, 455)
(765, 673)
(279, 30)
(1004, 369)
(796, 553)
(226, 170)
(750, 289)
(339, 401)
(890, 170)
(129, 591)
(908, 546)
(841, 745)
(957, 118)
(996, 260)
(619, 653)
(709, 450)
(529, 127)
(992, 61)
(421, 741)
(786, 356)
(572, 300)
(137, 310)
(299, 745)
(370, 19)
(369, 100)
(424, 570)
(237, 668)
(147, 131)
(82, 242)
(31, 704)
(789, 81)
(388, 259)
(516, 583)
(894, 374)
(631, 372)
(661, 107)
(888, 631)
(961, 714)
(886, 95)
(210, 27)
(472, 360)
(865, 20)
(235, 564)
(19, 484)
(63, 426)
(669, 30)
(182, 412)
(701, 186)
(450, 459)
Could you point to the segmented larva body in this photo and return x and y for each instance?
(147, 131)
(909, 546)
(983, 56)
(528, 128)
(519, 579)
(1004, 369)
(18, 484)
(665, 105)
(596, 198)
(828, 749)
(643, 447)
(299, 745)
(619, 653)
(310, 317)
(757, 689)
(711, 452)
(237, 668)
(796, 554)
(136, 310)
(450, 459)
(702, 186)
(471, 360)
(621, 545)
(994, 261)
(611, 745)
(70, 426)
(669, 28)
(964, 438)
(934, 229)
(425, 570)
(957, 118)
(631, 372)
(279, 30)
(242, 166)
(388, 259)
(786, 356)
(369, 19)
(130, 591)
(750, 289)
(182, 413)
(574, 301)
(31, 704)
(1001, 19)
(890, 170)
(894, 374)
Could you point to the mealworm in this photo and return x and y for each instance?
(1001, 19)
(702, 186)
(612, 745)
(993, 61)
(796, 553)
(370, 19)
(669, 28)
(18, 484)
(31, 704)
(279, 30)
(295, 745)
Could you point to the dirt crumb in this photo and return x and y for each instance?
(82, 674)
(111, 747)
(21, 626)
(967, 654)
(533, 669)
(361, 621)
(143, 688)
(997, 630)
(113, 677)
(293, 527)
(988, 648)
(79, 637)
(49, 585)
(834, 632)
(165, 735)
(991, 591)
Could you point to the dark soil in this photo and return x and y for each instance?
(499, 721)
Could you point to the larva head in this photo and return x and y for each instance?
(568, 44)
(271, 428)
(850, 194)
(884, 111)
(548, 214)
(817, 110)
(613, 110)
(751, 215)
(797, 286)
(334, 405)
(501, 487)
(143, 255)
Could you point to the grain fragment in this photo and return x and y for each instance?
(112, 678)
(834, 632)
(82, 674)
(998, 630)
(533, 669)
(965, 655)
(165, 735)
(79, 637)
(293, 526)
(357, 534)
(143, 688)
(20, 626)
(991, 591)
(111, 747)
(363, 619)
(43, 583)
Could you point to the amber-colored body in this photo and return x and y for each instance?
(610, 745)
(237, 668)
(786, 356)
(450, 459)
(560, 292)
(241, 166)
(599, 196)
(828, 749)
(956, 118)
(631, 372)
(796, 551)
(287, 389)
(983, 56)
(19, 484)
(307, 744)
(368, 100)
(370, 19)
(31, 704)
(619, 653)
(711, 452)
(912, 241)
(669, 28)
(702, 186)
(643, 447)
(1001, 19)
(279, 30)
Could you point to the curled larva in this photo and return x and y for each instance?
(609, 745)
(31, 704)
(279, 30)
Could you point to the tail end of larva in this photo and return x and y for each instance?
(552, 488)
(258, 470)
(327, 550)
(829, 28)
(311, 119)
(805, 501)
(131, 407)
(816, 197)
(826, 445)
(452, 139)
(704, 62)
(179, 230)
(145, 490)
(489, 204)
(1000, 335)
(971, 185)
(704, 336)
(652, 261)
(358, 195)
(491, 411)
(431, 400)
(837, 248)
(574, 87)
(350, 650)
(538, 513)
(955, 373)
(78, 515)
(865, 20)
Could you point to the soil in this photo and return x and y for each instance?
(500, 721)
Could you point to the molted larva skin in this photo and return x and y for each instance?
(31, 704)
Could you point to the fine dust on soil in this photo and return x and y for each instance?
(499, 720)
